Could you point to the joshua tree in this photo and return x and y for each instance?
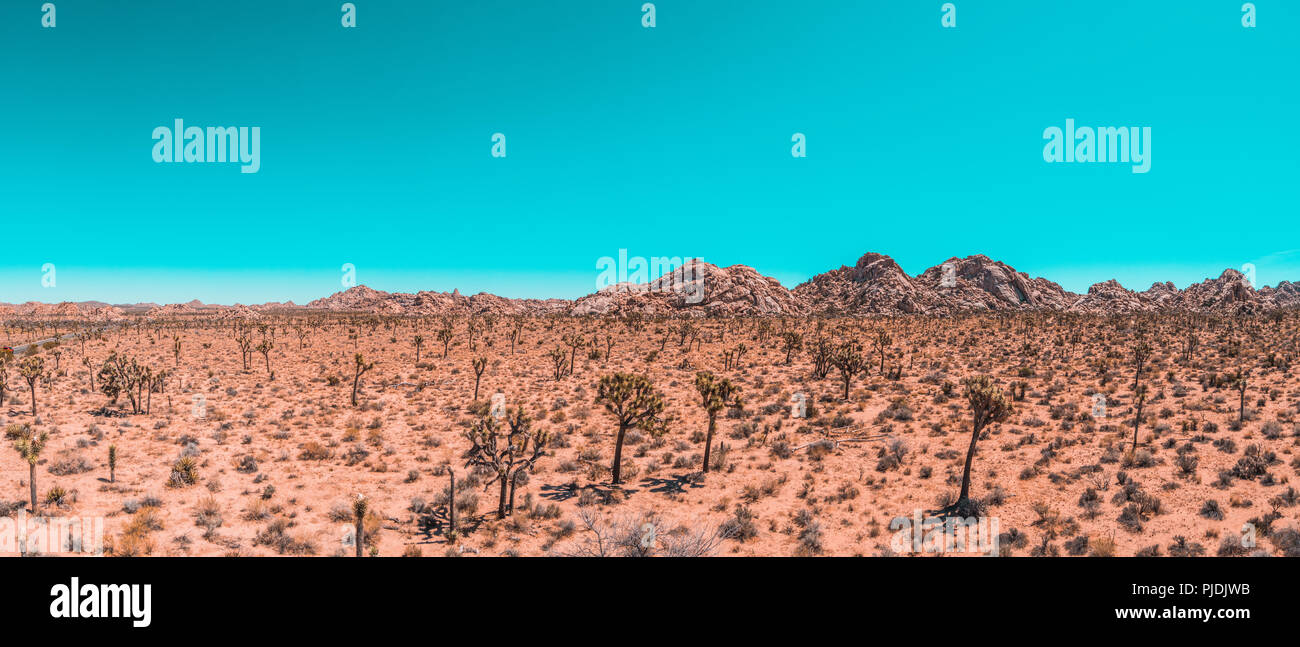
(881, 343)
(1190, 343)
(359, 510)
(90, 369)
(418, 341)
(31, 369)
(1141, 353)
(987, 405)
(574, 341)
(451, 505)
(634, 402)
(29, 446)
(118, 375)
(506, 455)
(849, 360)
(515, 332)
(444, 336)
(557, 362)
(153, 384)
(731, 357)
(480, 365)
(791, 342)
(821, 352)
(1141, 399)
(112, 463)
(265, 349)
(1239, 380)
(361, 367)
(245, 349)
(176, 350)
(4, 379)
(715, 394)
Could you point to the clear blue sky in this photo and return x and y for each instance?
(923, 142)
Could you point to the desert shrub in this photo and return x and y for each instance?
(277, 537)
(314, 451)
(184, 472)
(69, 464)
(741, 525)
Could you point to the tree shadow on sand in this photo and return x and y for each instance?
(435, 524)
(675, 485)
(604, 492)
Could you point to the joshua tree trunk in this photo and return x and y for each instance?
(618, 454)
(360, 535)
(32, 384)
(970, 456)
(1137, 420)
(451, 505)
(708, 439)
(31, 480)
(501, 502)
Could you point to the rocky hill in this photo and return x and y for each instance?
(874, 285)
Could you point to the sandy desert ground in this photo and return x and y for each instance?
(268, 458)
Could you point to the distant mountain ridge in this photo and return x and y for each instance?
(874, 285)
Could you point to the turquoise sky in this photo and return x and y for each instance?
(923, 142)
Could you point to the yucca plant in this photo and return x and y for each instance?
(29, 446)
(635, 404)
(31, 369)
(361, 367)
(359, 509)
(715, 395)
(185, 472)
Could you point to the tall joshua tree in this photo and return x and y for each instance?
(361, 367)
(1239, 380)
(444, 336)
(635, 404)
(516, 330)
(1140, 399)
(1141, 353)
(480, 365)
(849, 360)
(265, 349)
(418, 341)
(715, 394)
(791, 341)
(29, 446)
(31, 369)
(987, 405)
(4, 379)
(573, 341)
(245, 344)
(359, 509)
(506, 455)
(451, 505)
(881, 343)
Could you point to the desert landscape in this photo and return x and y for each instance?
(756, 421)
